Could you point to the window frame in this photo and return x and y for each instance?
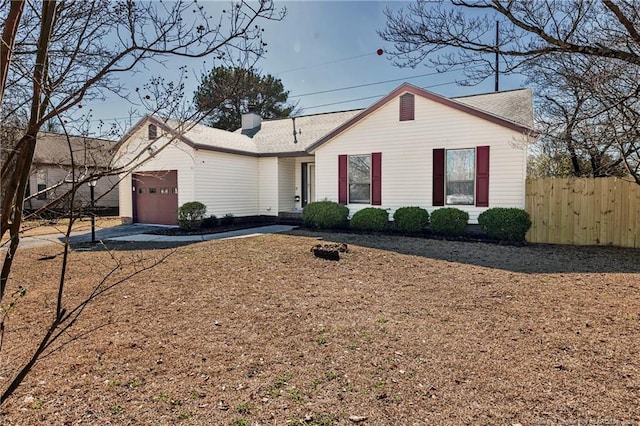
(472, 182)
(350, 199)
(41, 184)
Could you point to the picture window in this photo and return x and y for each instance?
(460, 176)
(360, 179)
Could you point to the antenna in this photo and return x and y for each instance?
(497, 49)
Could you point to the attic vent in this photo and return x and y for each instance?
(153, 132)
(407, 107)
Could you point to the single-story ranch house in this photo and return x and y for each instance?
(410, 148)
(51, 176)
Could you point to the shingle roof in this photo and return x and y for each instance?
(514, 105)
(53, 148)
(204, 136)
(276, 137)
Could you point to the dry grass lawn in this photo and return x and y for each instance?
(45, 227)
(400, 331)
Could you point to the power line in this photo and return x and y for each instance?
(335, 61)
(345, 88)
(375, 83)
(371, 97)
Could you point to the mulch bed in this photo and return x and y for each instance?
(399, 331)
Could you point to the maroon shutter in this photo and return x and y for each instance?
(482, 176)
(438, 177)
(407, 107)
(376, 179)
(343, 182)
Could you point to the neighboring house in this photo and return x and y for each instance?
(411, 148)
(51, 175)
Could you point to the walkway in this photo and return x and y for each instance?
(242, 233)
(136, 233)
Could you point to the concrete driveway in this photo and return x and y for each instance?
(80, 236)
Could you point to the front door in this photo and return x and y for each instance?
(155, 197)
(311, 182)
(308, 183)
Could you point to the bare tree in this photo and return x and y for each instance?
(57, 55)
(528, 29)
(583, 103)
(594, 115)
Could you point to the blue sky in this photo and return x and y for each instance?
(320, 46)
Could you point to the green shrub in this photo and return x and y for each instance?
(509, 224)
(190, 214)
(410, 219)
(325, 215)
(449, 221)
(209, 222)
(228, 219)
(370, 219)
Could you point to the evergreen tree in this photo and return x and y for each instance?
(226, 93)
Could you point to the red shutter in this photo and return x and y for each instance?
(376, 179)
(438, 177)
(343, 182)
(407, 107)
(482, 176)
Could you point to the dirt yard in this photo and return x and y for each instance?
(44, 227)
(400, 331)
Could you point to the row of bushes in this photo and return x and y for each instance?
(500, 223)
(191, 215)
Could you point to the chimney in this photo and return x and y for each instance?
(251, 122)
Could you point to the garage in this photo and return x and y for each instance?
(155, 197)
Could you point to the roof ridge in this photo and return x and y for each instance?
(43, 133)
(313, 115)
(491, 93)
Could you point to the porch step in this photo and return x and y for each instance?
(290, 218)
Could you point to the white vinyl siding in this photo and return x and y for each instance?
(227, 183)
(407, 155)
(286, 184)
(268, 186)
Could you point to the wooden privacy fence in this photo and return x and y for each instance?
(601, 211)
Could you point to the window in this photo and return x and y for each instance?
(153, 132)
(407, 107)
(460, 176)
(152, 190)
(164, 190)
(360, 179)
(41, 181)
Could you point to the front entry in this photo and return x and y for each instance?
(155, 197)
(308, 183)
